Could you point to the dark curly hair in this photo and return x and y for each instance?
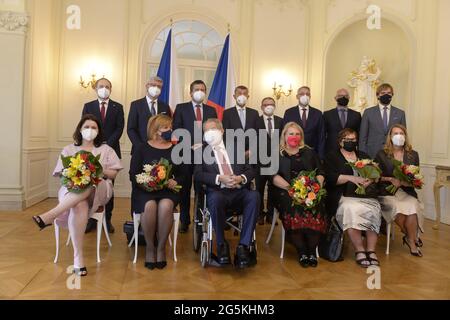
(78, 138)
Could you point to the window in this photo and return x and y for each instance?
(198, 49)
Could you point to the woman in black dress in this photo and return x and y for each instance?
(354, 213)
(303, 228)
(403, 207)
(156, 207)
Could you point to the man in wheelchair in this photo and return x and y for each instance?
(228, 185)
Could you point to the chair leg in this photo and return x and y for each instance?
(388, 237)
(57, 242)
(272, 227)
(176, 218)
(136, 222)
(105, 228)
(283, 238)
(68, 240)
(99, 235)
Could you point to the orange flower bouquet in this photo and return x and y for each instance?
(368, 169)
(156, 177)
(306, 191)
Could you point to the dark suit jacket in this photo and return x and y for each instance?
(372, 136)
(184, 117)
(232, 121)
(260, 125)
(315, 129)
(333, 126)
(387, 168)
(113, 124)
(207, 173)
(138, 120)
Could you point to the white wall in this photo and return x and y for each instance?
(285, 41)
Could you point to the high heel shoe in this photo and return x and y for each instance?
(416, 254)
(40, 223)
(419, 243)
(161, 264)
(150, 265)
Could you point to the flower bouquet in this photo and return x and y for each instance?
(156, 176)
(406, 173)
(81, 171)
(306, 191)
(367, 169)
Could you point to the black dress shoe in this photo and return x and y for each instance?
(91, 225)
(109, 226)
(223, 253)
(150, 265)
(253, 254)
(242, 257)
(183, 228)
(161, 264)
(303, 260)
(312, 260)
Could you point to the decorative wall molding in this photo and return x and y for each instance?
(13, 22)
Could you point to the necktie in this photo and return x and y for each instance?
(152, 109)
(342, 117)
(304, 118)
(269, 126)
(242, 117)
(198, 112)
(226, 169)
(103, 111)
(385, 119)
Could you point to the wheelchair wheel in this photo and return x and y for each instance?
(204, 254)
(197, 232)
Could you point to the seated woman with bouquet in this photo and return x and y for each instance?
(87, 168)
(156, 184)
(299, 193)
(352, 195)
(400, 177)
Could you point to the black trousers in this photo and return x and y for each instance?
(185, 203)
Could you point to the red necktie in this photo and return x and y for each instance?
(103, 111)
(198, 112)
(304, 118)
(223, 163)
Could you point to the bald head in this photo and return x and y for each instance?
(342, 97)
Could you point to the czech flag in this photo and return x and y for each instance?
(168, 71)
(222, 89)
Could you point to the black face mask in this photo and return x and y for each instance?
(350, 146)
(385, 99)
(167, 135)
(343, 101)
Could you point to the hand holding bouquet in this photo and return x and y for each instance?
(157, 177)
(409, 174)
(81, 171)
(306, 191)
(368, 169)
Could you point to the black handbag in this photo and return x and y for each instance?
(331, 244)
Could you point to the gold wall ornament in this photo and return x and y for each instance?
(91, 83)
(278, 91)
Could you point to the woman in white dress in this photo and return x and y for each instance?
(73, 209)
(403, 207)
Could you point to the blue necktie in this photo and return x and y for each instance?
(385, 119)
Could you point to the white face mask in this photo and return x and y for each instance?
(103, 93)
(304, 100)
(241, 100)
(154, 92)
(398, 140)
(89, 134)
(268, 110)
(213, 137)
(198, 96)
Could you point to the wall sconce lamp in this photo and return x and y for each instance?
(91, 83)
(278, 91)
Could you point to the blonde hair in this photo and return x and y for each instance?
(157, 122)
(283, 135)
(384, 86)
(389, 146)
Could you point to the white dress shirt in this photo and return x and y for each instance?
(244, 114)
(194, 104)
(222, 148)
(266, 123)
(106, 105)
(388, 111)
(149, 102)
(300, 108)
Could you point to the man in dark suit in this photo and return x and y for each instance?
(228, 185)
(141, 110)
(310, 119)
(266, 125)
(240, 116)
(190, 116)
(339, 118)
(377, 121)
(111, 116)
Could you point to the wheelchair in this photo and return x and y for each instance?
(203, 229)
